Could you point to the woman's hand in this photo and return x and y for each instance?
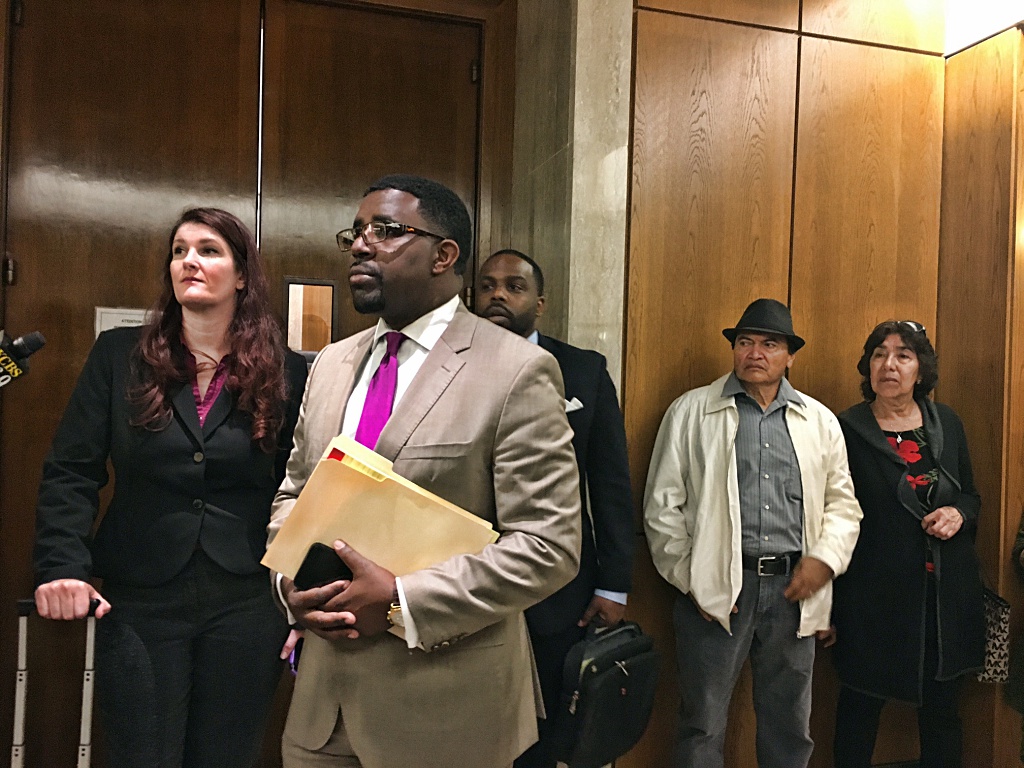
(943, 523)
(68, 599)
(289, 645)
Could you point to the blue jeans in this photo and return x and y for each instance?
(709, 662)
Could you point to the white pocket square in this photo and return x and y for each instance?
(572, 405)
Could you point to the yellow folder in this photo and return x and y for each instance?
(354, 495)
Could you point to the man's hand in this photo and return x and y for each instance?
(943, 523)
(707, 616)
(368, 596)
(828, 636)
(310, 608)
(603, 613)
(68, 599)
(345, 609)
(810, 575)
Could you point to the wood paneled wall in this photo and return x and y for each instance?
(981, 324)
(919, 26)
(540, 213)
(865, 242)
(710, 211)
(784, 14)
(866, 212)
(771, 158)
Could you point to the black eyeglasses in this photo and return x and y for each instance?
(913, 326)
(378, 232)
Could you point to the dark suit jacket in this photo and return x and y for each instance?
(176, 488)
(599, 440)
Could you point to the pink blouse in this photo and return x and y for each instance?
(220, 375)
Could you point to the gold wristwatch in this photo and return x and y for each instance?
(395, 618)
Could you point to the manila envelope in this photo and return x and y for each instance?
(354, 495)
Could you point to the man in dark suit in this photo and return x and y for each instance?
(510, 293)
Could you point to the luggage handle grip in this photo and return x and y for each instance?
(28, 606)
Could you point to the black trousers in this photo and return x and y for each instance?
(186, 671)
(549, 651)
(938, 720)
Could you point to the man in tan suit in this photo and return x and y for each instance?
(479, 419)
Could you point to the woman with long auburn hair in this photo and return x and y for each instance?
(195, 412)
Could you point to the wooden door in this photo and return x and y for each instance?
(123, 113)
(350, 94)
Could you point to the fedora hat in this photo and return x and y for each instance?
(766, 316)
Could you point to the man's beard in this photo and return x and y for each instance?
(505, 317)
(369, 303)
(509, 321)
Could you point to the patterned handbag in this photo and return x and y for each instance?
(997, 639)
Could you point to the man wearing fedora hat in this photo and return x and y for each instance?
(750, 514)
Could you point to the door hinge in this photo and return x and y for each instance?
(474, 72)
(17, 11)
(469, 298)
(8, 268)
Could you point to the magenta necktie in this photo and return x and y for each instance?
(380, 397)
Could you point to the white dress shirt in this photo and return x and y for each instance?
(423, 333)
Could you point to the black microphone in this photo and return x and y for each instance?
(14, 354)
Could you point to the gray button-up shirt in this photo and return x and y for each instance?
(771, 496)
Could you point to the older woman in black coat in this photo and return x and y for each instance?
(908, 611)
(1015, 688)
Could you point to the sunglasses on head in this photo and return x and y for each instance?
(913, 326)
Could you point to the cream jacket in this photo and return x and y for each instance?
(692, 500)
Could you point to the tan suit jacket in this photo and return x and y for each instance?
(483, 425)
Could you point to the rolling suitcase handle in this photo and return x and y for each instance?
(25, 609)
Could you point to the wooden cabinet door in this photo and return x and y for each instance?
(352, 94)
(122, 114)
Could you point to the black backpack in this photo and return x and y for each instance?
(608, 685)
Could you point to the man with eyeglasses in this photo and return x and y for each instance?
(750, 513)
(510, 293)
(477, 416)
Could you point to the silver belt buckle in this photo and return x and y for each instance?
(770, 559)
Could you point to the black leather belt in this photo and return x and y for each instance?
(772, 565)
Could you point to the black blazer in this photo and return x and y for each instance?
(599, 439)
(177, 489)
(878, 605)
